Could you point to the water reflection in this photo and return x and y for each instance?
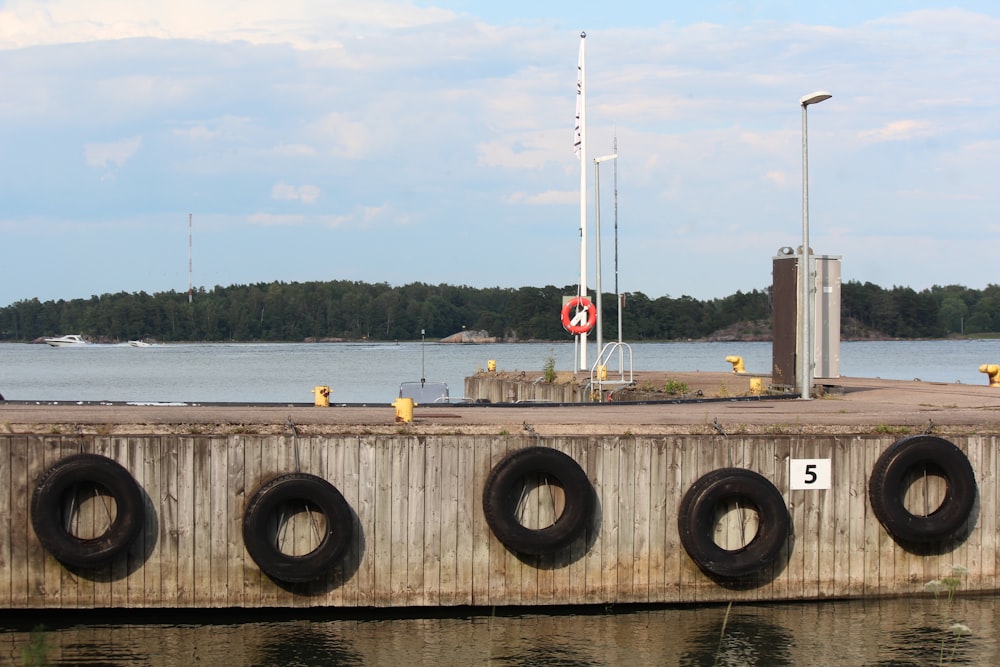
(739, 640)
(869, 633)
(300, 646)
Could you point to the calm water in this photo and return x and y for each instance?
(876, 633)
(886, 632)
(371, 373)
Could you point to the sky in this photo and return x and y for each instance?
(145, 144)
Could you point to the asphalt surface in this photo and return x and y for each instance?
(850, 405)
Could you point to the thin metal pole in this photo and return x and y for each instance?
(617, 293)
(805, 275)
(597, 225)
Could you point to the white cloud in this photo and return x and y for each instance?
(306, 24)
(547, 197)
(307, 194)
(115, 153)
(274, 220)
(778, 177)
(198, 133)
(897, 130)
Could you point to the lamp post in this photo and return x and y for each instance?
(806, 315)
(597, 224)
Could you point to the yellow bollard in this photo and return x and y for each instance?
(756, 386)
(737, 363)
(491, 366)
(404, 409)
(322, 396)
(992, 372)
(602, 372)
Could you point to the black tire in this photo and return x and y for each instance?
(696, 522)
(502, 493)
(889, 479)
(48, 510)
(259, 520)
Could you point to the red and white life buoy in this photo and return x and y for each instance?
(572, 320)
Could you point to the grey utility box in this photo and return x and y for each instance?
(787, 304)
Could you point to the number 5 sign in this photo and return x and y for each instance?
(809, 474)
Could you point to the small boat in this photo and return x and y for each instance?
(72, 340)
(139, 343)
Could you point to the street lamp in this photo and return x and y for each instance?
(597, 224)
(805, 273)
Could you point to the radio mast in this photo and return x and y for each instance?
(190, 263)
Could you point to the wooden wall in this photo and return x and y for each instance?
(421, 538)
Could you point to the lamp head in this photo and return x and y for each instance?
(815, 98)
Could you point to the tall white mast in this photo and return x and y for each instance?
(581, 113)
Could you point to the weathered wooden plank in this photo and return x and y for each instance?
(810, 523)
(879, 546)
(253, 463)
(367, 527)
(150, 459)
(398, 518)
(415, 547)
(202, 520)
(118, 450)
(612, 520)
(625, 553)
(469, 539)
(501, 563)
(484, 544)
(218, 499)
(52, 592)
(7, 502)
(983, 569)
(328, 462)
(183, 536)
(657, 553)
(448, 520)
(235, 481)
(422, 538)
(429, 545)
(850, 479)
(575, 581)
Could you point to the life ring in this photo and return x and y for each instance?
(697, 519)
(892, 474)
(568, 315)
(502, 493)
(49, 508)
(260, 523)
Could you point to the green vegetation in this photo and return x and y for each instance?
(550, 368)
(954, 630)
(35, 653)
(354, 311)
(675, 387)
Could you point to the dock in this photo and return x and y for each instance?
(877, 488)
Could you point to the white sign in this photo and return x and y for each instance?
(809, 474)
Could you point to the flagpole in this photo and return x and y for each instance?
(582, 120)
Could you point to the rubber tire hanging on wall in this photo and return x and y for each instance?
(888, 483)
(502, 493)
(258, 521)
(696, 521)
(49, 520)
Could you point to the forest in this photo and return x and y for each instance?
(345, 310)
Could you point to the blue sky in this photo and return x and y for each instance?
(432, 141)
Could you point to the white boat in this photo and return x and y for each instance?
(139, 343)
(72, 340)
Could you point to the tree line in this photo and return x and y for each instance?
(279, 311)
